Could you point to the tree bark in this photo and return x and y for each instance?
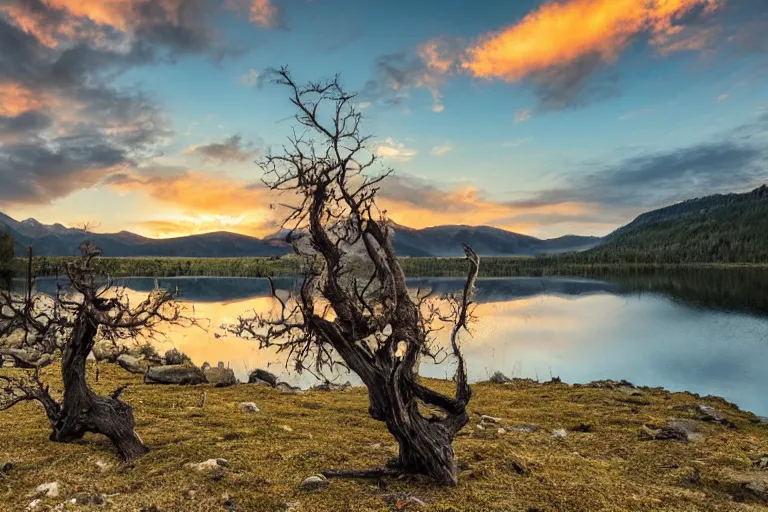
(83, 411)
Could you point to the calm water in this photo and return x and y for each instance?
(705, 332)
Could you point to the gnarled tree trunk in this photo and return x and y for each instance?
(83, 411)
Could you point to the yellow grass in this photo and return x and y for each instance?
(611, 468)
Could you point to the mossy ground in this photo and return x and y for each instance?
(609, 468)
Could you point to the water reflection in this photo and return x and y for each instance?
(706, 332)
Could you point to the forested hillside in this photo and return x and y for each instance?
(731, 228)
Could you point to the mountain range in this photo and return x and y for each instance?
(721, 227)
(58, 240)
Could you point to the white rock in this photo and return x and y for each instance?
(286, 428)
(248, 407)
(314, 482)
(209, 464)
(34, 504)
(102, 465)
(479, 427)
(501, 431)
(559, 433)
(490, 419)
(50, 489)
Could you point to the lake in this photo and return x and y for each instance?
(700, 331)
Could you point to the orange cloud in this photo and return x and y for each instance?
(203, 202)
(421, 207)
(559, 33)
(264, 13)
(15, 100)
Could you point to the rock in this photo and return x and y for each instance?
(284, 387)
(501, 431)
(489, 419)
(50, 489)
(582, 427)
(102, 465)
(314, 482)
(6, 467)
(499, 378)
(711, 414)
(27, 358)
(107, 351)
(676, 430)
(631, 391)
(559, 433)
(330, 386)
(209, 464)
(293, 506)
(174, 357)
(525, 428)
(182, 374)
(286, 428)
(761, 463)
(479, 427)
(259, 376)
(131, 364)
(248, 407)
(34, 504)
(221, 376)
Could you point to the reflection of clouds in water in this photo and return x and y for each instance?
(577, 329)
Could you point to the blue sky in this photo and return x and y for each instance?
(548, 118)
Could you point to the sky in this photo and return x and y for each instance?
(542, 117)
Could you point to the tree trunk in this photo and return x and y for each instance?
(83, 411)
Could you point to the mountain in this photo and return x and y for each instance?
(486, 241)
(439, 241)
(716, 228)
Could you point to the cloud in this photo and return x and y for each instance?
(263, 13)
(391, 150)
(397, 73)
(231, 149)
(202, 201)
(734, 160)
(522, 115)
(250, 79)
(566, 50)
(417, 203)
(442, 150)
(65, 127)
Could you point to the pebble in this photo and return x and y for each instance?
(559, 433)
(50, 489)
(314, 482)
(248, 407)
(34, 504)
(490, 419)
(286, 428)
(209, 464)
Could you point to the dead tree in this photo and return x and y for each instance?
(372, 325)
(38, 329)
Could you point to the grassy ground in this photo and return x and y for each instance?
(610, 468)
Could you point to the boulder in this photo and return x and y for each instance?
(133, 365)
(259, 376)
(248, 407)
(499, 378)
(174, 357)
(27, 358)
(683, 430)
(331, 386)
(220, 376)
(314, 482)
(50, 489)
(107, 351)
(284, 387)
(183, 374)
